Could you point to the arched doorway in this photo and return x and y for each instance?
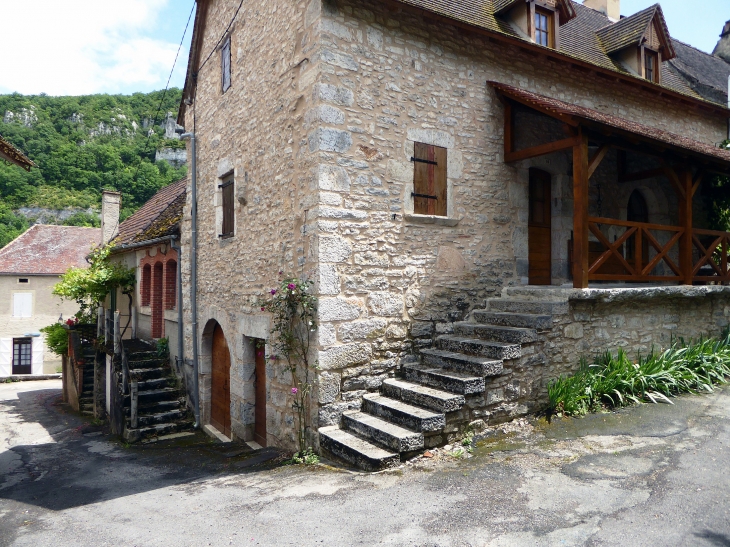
(637, 211)
(220, 404)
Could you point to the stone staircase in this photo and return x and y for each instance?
(161, 407)
(86, 397)
(436, 397)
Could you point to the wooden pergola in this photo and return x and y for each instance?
(683, 161)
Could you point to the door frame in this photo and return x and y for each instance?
(539, 175)
(225, 427)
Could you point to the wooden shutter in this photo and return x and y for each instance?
(227, 198)
(429, 183)
(226, 65)
(23, 304)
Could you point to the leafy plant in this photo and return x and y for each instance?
(305, 457)
(163, 347)
(56, 338)
(615, 380)
(293, 309)
(88, 287)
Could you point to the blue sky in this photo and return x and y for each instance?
(77, 47)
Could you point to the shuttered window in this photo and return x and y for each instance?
(23, 304)
(226, 65)
(227, 204)
(429, 183)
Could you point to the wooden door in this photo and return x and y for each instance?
(220, 412)
(22, 356)
(539, 229)
(260, 408)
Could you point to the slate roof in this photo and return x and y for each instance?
(9, 153)
(630, 30)
(706, 74)
(48, 250)
(579, 37)
(581, 114)
(159, 217)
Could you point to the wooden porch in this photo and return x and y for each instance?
(613, 250)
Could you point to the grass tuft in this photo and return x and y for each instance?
(616, 380)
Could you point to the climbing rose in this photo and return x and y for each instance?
(273, 292)
(292, 286)
(263, 309)
(294, 390)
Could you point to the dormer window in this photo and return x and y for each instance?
(651, 65)
(543, 25)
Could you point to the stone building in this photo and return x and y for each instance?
(484, 191)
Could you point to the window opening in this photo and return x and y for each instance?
(144, 289)
(226, 65)
(542, 29)
(23, 280)
(22, 355)
(429, 182)
(651, 65)
(23, 304)
(170, 284)
(227, 203)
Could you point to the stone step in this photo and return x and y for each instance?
(378, 431)
(475, 346)
(356, 451)
(135, 363)
(449, 380)
(141, 374)
(157, 383)
(471, 364)
(428, 397)
(157, 406)
(507, 319)
(155, 395)
(403, 414)
(158, 418)
(156, 430)
(509, 335)
(538, 307)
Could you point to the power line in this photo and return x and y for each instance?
(221, 38)
(167, 86)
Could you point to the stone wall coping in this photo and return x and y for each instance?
(615, 294)
(431, 219)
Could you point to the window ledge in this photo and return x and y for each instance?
(431, 219)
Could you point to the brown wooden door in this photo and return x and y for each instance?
(539, 229)
(220, 412)
(260, 408)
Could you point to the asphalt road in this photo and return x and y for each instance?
(652, 475)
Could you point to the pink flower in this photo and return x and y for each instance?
(294, 390)
(272, 357)
(263, 309)
(273, 292)
(291, 286)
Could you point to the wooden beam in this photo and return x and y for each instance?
(580, 212)
(685, 220)
(697, 183)
(676, 183)
(508, 129)
(597, 159)
(641, 175)
(539, 150)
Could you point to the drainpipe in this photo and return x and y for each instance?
(194, 270)
(180, 345)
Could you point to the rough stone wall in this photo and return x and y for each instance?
(254, 130)
(392, 77)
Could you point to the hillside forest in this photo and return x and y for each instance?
(81, 146)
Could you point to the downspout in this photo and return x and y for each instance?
(180, 344)
(194, 270)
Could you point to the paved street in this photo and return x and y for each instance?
(654, 475)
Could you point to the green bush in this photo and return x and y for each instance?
(615, 380)
(56, 338)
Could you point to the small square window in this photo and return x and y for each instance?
(227, 225)
(23, 280)
(226, 65)
(429, 180)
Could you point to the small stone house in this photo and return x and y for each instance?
(30, 266)
(484, 191)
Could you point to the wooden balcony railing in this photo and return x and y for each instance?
(712, 264)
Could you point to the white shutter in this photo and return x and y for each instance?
(37, 356)
(23, 304)
(6, 356)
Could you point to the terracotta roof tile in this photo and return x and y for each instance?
(48, 250)
(657, 136)
(9, 153)
(158, 217)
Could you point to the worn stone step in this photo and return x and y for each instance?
(141, 374)
(507, 319)
(398, 412)
(417, 394)
(476, 346)
(155, 395)
(450, 380)
(509, 335)
(157, 383)
(356, 451)
(157, 406)
(538, 307)
(381, 432)
(156, 430)
(155, 362)
(472, 364)
(158, 418)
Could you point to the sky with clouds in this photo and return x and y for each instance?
(76, 47)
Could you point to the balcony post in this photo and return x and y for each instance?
(580, 212)
(685, 221)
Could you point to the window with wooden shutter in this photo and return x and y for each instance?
(226, 65)
(429, 182)
(227, 204)
(23, 304)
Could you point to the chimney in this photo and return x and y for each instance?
(609, 8)
(722, 49)
(111, 203)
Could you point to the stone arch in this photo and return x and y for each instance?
(170, 284)
(217, 358)
(145, 285)
(156, 301)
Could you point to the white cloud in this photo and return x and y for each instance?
(75, 47)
